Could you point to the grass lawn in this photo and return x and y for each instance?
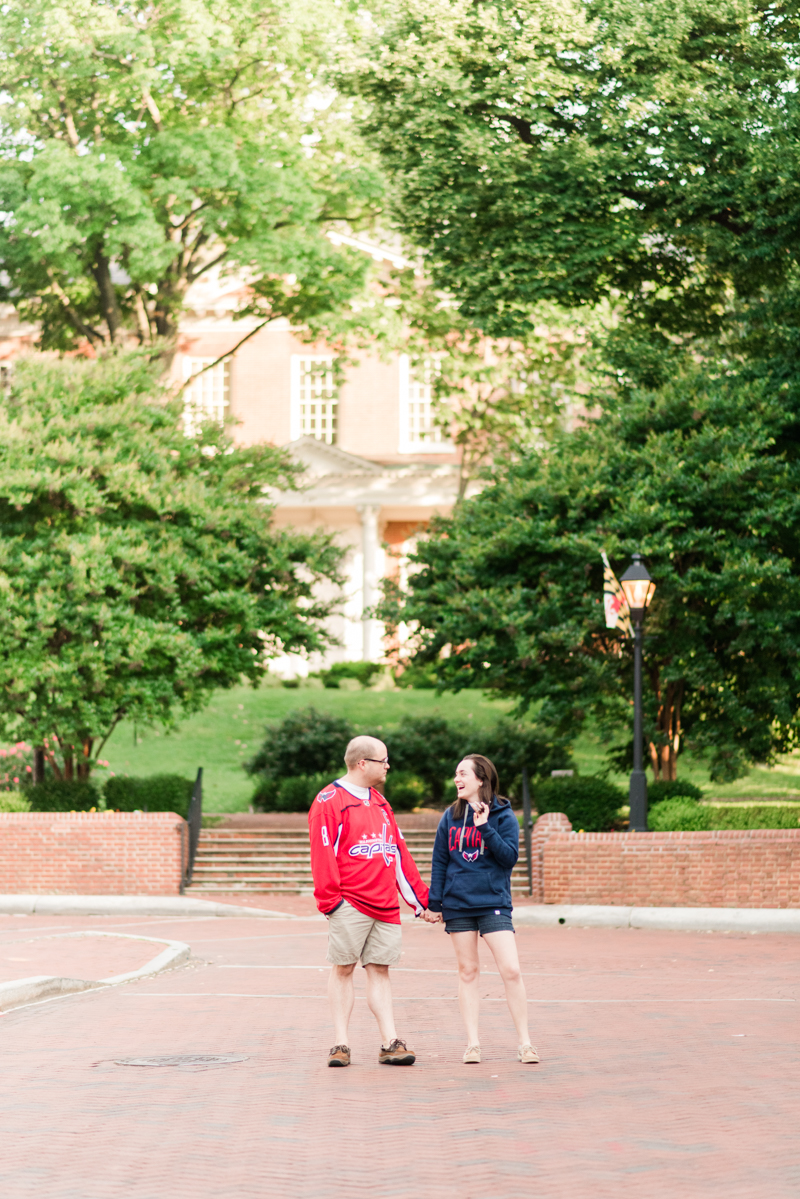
(227, 733)
(778, 782)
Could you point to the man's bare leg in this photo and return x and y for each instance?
(379, 999)
(341, 995)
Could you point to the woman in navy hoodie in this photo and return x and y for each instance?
(476, 848)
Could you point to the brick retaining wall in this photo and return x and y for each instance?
(91, 853)
(754, 868)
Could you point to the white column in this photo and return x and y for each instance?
(369, 585)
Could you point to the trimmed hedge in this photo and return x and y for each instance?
(155, 793)
(678, 815)
(61, 795)
(589, 802)
(685, 815)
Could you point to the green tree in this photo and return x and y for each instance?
(495, 397)
(703, 477)
(565, 151)
(144, 144)
(138, 568)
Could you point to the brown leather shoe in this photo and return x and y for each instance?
(339, 1056)
(398, 1054)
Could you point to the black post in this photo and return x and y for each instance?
(194, 819)
(638, 785)
(527, 825)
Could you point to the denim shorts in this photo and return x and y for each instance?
(493, 923)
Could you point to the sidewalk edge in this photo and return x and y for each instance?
(22, 991)
(753, 920)
(127, 905)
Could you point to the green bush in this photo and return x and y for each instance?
(405, 791)
(363, 672)
(589, 802)
(155, 793)
(512, 744)
(14, 801)
(672, 789)
(429, 748)
(293, 794)
(421, 678)
(308, 742)
(686, 815)
(680, 815)
(61, 795)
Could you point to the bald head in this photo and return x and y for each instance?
(361, 748)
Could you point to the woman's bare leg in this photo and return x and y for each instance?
(504, 950)
(469, 972)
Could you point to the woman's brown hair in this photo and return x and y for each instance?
(486, 773)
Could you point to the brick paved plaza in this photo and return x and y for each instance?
(669, 1068)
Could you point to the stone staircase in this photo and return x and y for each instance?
(278, 860)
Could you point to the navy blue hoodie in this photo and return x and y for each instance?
(466, 882)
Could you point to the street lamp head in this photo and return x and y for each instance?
(638, 588)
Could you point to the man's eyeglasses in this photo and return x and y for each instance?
(383, 761)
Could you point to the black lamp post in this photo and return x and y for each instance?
(638, 588)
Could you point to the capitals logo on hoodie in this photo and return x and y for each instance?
(358, 854)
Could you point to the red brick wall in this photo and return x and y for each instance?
(757, 868)
(91, 853)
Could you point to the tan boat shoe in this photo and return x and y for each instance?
(527, 1055)
(339, 1056)
(472, 1055)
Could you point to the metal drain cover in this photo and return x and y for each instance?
(195, 1061)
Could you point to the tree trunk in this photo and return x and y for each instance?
(101, 270)
(38, 764)
(85, 763)
(664, 751)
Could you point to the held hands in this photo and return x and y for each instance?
(431, 917)
(480, 815)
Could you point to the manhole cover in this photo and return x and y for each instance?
(190, 1060)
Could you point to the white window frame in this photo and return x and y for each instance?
(208, 397)
(297, 401)
(438, 442)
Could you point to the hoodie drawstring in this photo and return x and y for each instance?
(463, 829)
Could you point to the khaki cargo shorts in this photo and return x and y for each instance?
(352, 935)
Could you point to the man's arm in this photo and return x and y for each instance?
(324, 830)
(409, 881)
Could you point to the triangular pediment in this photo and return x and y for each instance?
(320, 459)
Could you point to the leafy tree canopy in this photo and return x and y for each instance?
(142, 144)
(138, 569)
(703, 477)
(496, 396)
(559, 150)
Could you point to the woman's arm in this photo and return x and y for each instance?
(503, 842)
(439, 863)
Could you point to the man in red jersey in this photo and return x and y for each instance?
(360, 861)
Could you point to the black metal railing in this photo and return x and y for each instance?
(194, 821)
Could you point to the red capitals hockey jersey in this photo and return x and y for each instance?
(358, 854)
